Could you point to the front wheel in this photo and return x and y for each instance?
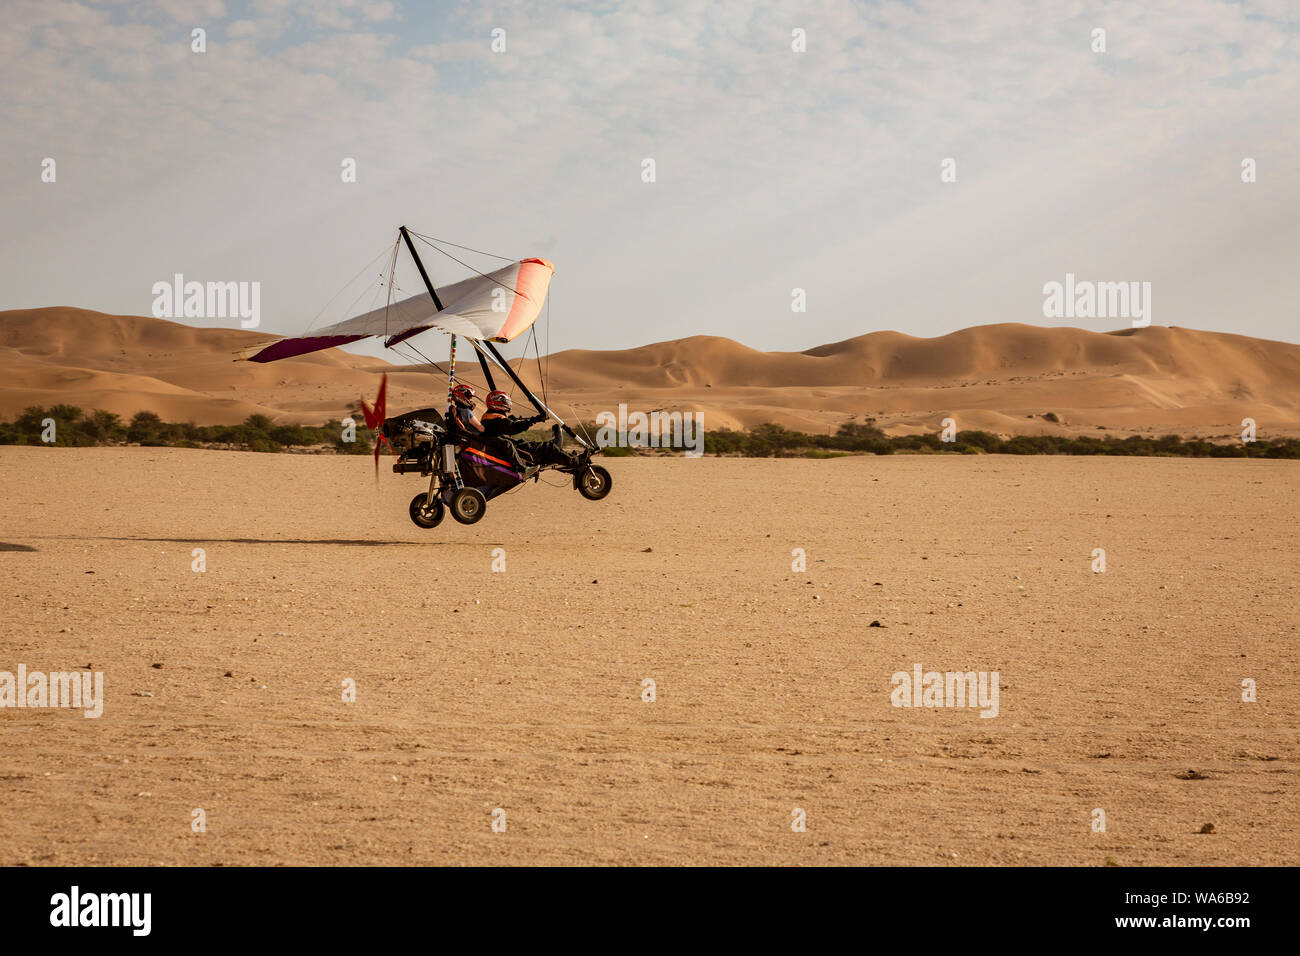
(468, 505)
(593, 482)
(425, 516)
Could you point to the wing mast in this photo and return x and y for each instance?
(437, 304)
(420, 265)
(451, 365)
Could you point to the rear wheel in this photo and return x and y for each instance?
(593, 482)
(468, 505)
(427, 517)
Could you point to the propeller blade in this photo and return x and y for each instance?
(375, 417)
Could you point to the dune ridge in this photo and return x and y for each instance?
(1003, 377)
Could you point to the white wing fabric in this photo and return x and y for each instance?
(497, 306)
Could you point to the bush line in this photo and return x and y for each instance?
(75, 427)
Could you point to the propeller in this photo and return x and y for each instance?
(375, 419)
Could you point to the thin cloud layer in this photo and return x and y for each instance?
(775, 169)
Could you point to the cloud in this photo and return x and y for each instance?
(775, 168)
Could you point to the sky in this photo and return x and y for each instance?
(775, 168)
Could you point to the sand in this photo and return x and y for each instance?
(1003, 378)
(523, 690)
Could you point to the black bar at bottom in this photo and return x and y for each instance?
(914, 907)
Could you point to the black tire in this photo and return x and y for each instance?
(468, 505)
(593, 482)
(427, 518)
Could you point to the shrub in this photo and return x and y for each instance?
(258, 433)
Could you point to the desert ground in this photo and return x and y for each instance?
(523, 690)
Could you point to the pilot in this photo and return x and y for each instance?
(497, 420)
(494, 427)
(499, 425)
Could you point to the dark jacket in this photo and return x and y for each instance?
(497, 424)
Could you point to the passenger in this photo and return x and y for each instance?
(461, 412)
(492, 437)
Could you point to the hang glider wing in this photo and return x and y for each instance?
(497, 306)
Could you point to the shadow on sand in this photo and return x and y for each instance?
(345, 542)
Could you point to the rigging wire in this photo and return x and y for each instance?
(538, 354)
(374, 289)
(432, 239)
(574, 415)
(392, 282)
(483, 275)
(541, 373)
(423, 356)
(363, 269)
(548, 346)
(388, 280)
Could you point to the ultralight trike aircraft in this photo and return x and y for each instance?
(465, 469)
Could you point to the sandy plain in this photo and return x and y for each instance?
(523, 690)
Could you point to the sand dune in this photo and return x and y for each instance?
(126, 364)
(970, 356)
(1001, 378)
